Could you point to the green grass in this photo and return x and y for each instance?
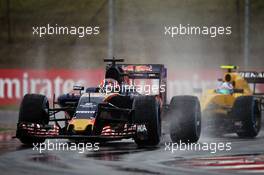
(5, 129)
(9, 107)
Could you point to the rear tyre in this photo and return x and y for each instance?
(185, 114)
(147, 112)
(247, 110)
(33, 109)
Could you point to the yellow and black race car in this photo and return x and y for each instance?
(234, 106)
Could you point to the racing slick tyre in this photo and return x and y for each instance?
(147, 113)
(185, 114)
(247, 110)
(33, 109)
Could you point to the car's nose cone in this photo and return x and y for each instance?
(80, 125)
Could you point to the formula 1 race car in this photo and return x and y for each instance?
(117, 109)
(234, 107)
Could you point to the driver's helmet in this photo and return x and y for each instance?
(110, 85)
(225, 88)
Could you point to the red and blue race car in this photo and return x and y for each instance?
(118, 108)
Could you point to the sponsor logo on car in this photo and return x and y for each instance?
(138, 68)
(252, 74)
(88, 105)
(85, 112)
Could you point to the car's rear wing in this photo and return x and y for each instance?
(147, 71)
(253, 78)
(144, 71)
(138, 71)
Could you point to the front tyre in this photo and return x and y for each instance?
(33, 109)
(147, 113)
(185, 114)
(246, 110)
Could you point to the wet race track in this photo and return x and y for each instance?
(241, 156)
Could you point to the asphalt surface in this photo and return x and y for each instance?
(246, 156)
